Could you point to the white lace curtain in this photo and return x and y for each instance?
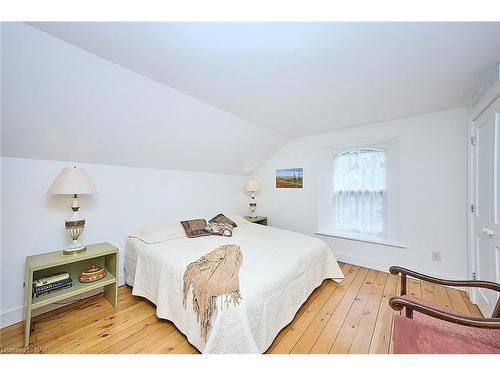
(360, 191)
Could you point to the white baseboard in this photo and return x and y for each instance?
(384, 267)
(16, 315)
(358, 261)
(12, 316)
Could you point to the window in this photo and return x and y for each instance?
(360, 192)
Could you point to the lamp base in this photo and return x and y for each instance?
(74, 251)
(253, 207)
(75, 229)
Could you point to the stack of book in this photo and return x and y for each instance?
(51, 283)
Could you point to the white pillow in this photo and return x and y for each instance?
(167, 231)
(160, 232)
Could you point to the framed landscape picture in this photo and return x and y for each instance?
(290, 178)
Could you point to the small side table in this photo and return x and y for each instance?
(257, 220)
(101, 255)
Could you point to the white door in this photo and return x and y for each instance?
(486, 216)
(495, 223)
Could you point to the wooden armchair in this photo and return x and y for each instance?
(428, 328)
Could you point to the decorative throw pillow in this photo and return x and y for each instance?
(219, 229)
(195, 228)
(220, 218)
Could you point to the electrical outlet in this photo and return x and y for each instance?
(436, 256)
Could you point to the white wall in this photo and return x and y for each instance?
(432, 190)
(63, 103)
(128, 198)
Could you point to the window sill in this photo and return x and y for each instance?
(375, 241)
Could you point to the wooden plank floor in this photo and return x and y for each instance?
(348, 317)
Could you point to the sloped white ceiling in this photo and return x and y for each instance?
(60, 102)
(302, 78)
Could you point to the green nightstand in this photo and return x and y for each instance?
(101, 255)
(257, 220)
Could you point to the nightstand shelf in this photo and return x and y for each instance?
(101, 255)
(76, 289)
(257, 220)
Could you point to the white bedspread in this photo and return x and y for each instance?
(280, 269)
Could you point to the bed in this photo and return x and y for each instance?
(280, 269)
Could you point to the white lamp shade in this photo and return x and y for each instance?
(73, 181)
(252, 185)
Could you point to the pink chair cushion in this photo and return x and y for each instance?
(490, 337)
(412, 337)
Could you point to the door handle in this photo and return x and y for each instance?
(488, 232)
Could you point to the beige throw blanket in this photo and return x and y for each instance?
(214, 274)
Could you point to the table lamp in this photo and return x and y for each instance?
(252, 186)
(73, 181)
